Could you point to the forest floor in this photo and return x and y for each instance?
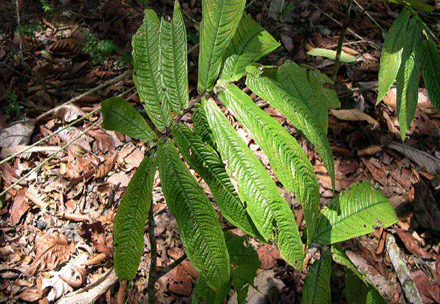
(56, 222)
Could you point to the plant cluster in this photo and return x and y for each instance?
(231, 43)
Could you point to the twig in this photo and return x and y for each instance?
(408, 285)
(153, 262)
(341, 40)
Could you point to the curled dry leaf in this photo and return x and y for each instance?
(19, 206)
(268, 256)
(30, 295)
(51, 250)
(68, 112)
(353, 115)
(411, 244)
(17, 133)
(104, 141)
(106, 167)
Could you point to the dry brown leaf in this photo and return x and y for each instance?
(19, 206)
(423, 99)
(179, 281)
(30, 295)
(371, 150)
(68, 112)
(411, 244)
(106, 167)
(17, 133)
(429, 291)
(67, 45)
(97, 259)
(104, 141)
(268, 256)
(95, 232)
(51, 249)
(353, 115)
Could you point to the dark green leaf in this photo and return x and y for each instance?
(130, 220)
(430, 59)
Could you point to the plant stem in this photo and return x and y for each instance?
(153, 262)
(341, 40)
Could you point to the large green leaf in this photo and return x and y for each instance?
(294, 80)
(357, 288)
(219, 23)
(295, 110)
(355, 212)
(146, 73)
(286, 156)
(203, 293)
(249, 44)
(392, 53)
(174, 60)
(317, 284)
(408, 77)
(130, 220)
(430, 59)
(207, 163)
(269, 211)
(119, 115)
(198, 224)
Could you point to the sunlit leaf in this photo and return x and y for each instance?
(408, 77)
(269, 211)
(344, 57)
(392, 53)
(219, 23)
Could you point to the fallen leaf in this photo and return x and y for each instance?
(17, 133)
(96, 233)
(179, 281)
(30, 295)
(268, 256)
(68, 112)
(51, 250)
(106, 167)
(19, 206)
(353, 115)
(411, 244)
(426, 212)
(103, 141)
(429, 291)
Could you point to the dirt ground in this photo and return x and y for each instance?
(56, 222)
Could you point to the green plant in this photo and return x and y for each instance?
(30, 28)
(13, 107)
(97, 49)
(46, 5)
(230, 44)
(404, 56)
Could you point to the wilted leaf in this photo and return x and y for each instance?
(51, 250)
(19, 206)
(352, 115)
(103, 140)
(17, 133)
(106, 167)
(68, 112)
(411, 244)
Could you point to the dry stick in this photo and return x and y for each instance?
(153, 262)
(50, 157)
(341, 40)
